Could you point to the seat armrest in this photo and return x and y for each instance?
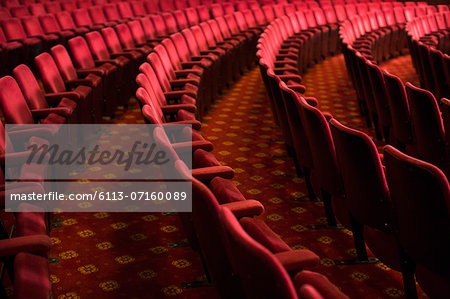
(35, 243)
(296, 260)
(245, 208)
(177, 94)
(208, 173)
(192, 146)
(174, 108)
(41, 113)
(53, 97)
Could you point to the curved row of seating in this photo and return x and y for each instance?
(429, 45)
(380, 198)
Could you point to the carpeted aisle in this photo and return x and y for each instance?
(118, 255)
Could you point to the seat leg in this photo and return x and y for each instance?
(408, 268)
(331, 219)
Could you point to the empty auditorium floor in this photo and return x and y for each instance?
(119, 255)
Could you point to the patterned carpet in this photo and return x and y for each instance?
(120, 255)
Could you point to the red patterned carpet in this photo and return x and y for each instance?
(126, 255)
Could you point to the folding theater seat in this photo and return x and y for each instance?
(151, 6)
(4, 13)
(192, 16)
(278, 10)
(148, 78)
(188, 87)
(251, 20)
(33, 28)
(115, 47)
(420, 195)
(112, 13)
(253, 264)
(228, 8)
(126, 68)
(203, 61)
(171, 23)
(125, 10)
(159, 25)
(37, 9)
(333, 28)
(444, 106)
(16, 110)
(84, 3)
(12, 52)
(402, 135)
(232, 33)
(82, 18)
(138, 8)
(302, 152)
(326, 170)
(167, 5)
(195, 54)
(50, 26)
(217, 10)
(29, 265)
(66, 23)
(150, 35)
(127, 41)
(313, 33)
(427, 127)
(54, 85)
(14, 31)
(155, 114)
(68, 6)
(268, 13)
(180, 17)
(341, 15)
(367, 195)
(84, 61)
(19, 11)
(226, 70)
(62, 103)
(52, 7)
(380, 95)
(203, 13)
(260, 17)
(73, 77)
(99, 18)
(438, 65)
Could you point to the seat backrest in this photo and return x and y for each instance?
(30, 87)
(52, 6)
(159, 70)
(112, 40)
(259, 16)
(217, 10)
(181, 19)
(64, 63)
(249, 18)
(13, 104)
(420, 194)
(49, 23)
(13, 29)
(203, 13)
(125, 36)
(322, 148)
(216, 31)
(151, 6)
(173, 53)
(171, 23)
(80, 53)
(445, 110)
(340, 13)
(376, 78)
(399, 108)
(82, 18)
(253, 263)
(269, 14)
(167, 5)
(191, 42)
(37, 9)
(125, 10)
(49, 73)
(158, 93)
(97, 15)
(4, 13)
(200, 38)
(192, 16)
(111, 12)
(366, 190)
(152, 113)
(228, 8)
(137, 32)
(427, 125)
(65, 20)
(19, 11)
(84, 3)
(159, 25)
(32, 26)
(224, 28)
(181, 45)
(138, 8)
(97, 45)
(209, 35)
(165, 60)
